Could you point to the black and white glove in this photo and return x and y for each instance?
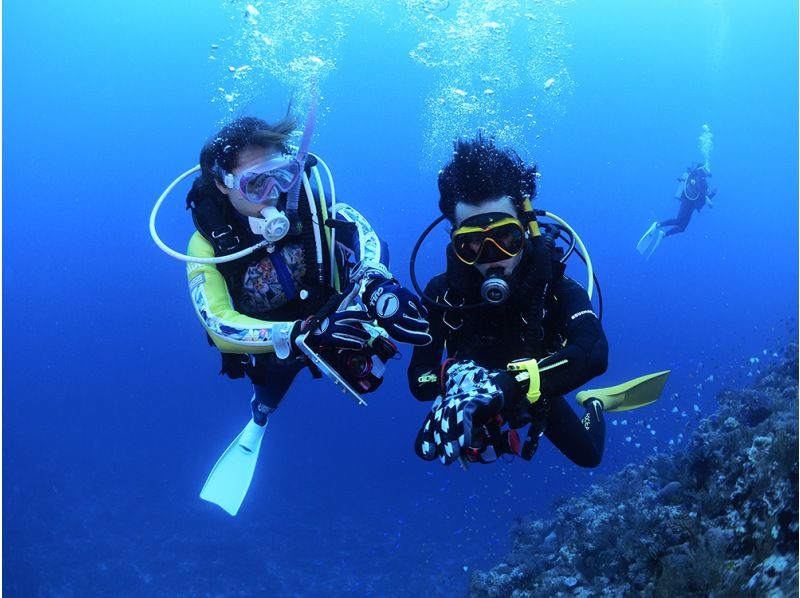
(471, 399)
(398, 311)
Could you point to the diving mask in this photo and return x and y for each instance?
(488, 238)
(263, 183)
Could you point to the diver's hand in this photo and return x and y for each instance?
(341, 329)
(398, 311)
(471, 399)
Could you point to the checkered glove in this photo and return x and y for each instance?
(471, 398)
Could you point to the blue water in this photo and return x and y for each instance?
(113, 412)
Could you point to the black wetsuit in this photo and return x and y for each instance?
(494, 336)
(693, 194)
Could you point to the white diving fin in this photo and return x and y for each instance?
(650, 240)
(228, 482)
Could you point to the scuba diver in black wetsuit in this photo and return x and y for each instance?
(507, 267)
(519, 334)
(693, 193)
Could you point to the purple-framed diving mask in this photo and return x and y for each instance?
(263, 183)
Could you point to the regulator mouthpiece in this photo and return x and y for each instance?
(273, 224)
(495, 290)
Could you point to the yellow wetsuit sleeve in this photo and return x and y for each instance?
(231, 331)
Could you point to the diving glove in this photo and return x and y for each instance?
(398, 311)
(471, 398)
(341, 329)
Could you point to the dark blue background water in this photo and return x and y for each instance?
(113, 413)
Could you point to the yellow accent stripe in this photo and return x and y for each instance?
(554, 365)
(533, 225)
(531, 368)
(534, 385)
(231, 331)
(465, 230)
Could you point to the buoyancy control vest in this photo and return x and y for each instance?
(218, 222)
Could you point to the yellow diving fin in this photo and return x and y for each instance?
(635, 393)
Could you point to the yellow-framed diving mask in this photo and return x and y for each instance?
(487, 238)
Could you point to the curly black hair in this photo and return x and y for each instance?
(479, 171)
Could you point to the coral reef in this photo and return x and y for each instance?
(717, 518)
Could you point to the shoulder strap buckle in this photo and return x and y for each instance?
(222, 241)
(458, 321)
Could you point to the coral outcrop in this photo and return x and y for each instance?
(718, 517)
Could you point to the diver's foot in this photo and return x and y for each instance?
(594, 412)
(261, 412)
(594, 405)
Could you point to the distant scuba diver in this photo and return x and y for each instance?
(282, 278)
(518, 334)
(693, 193)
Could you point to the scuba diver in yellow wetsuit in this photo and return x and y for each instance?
(518, 333)
(282, 278)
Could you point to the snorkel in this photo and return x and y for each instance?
(274, 225)
(300, 158)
